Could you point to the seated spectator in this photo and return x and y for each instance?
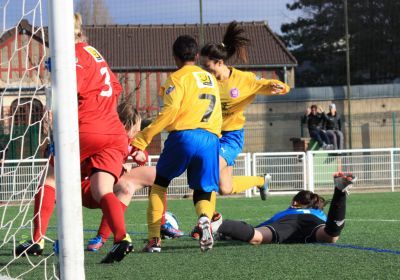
(333, 126)
(315, 118)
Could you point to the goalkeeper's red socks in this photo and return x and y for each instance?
(104, 229)
(45, 200)
(112, 212)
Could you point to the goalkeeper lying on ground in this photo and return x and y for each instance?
(303, 222)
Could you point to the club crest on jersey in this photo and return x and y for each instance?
(169, 90)
(203, 79)
(94, 53)
(234, 93)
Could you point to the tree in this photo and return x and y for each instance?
(94, 12)
(317, 39)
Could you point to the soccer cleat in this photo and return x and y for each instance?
(206, 239)
(344, 181)
(95, 244)
(119, 250)
(264, 189)
(168, 231)
(216, 222)
(195, 233)
(30, 248)
(153, 246)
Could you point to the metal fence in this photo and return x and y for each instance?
(19, 179)
(179, 186)
(376, 169)
(288, 170)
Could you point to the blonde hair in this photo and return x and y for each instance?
(128, 115)
(78, 32)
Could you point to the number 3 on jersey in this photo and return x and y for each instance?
(107, 82)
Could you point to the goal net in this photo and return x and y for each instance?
(24, 134)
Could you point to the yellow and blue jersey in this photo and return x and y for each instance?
(191, 101)
(238, 92)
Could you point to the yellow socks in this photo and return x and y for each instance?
(242, 183)
(206, 207)
(155, 210)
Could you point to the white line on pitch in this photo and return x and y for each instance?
(373, 220)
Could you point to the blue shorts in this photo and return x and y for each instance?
(231, 145)
(196, 151)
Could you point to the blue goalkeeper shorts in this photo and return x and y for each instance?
(231, 145)
(196, 151)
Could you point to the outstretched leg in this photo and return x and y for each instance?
(337, 211)
(242, 231)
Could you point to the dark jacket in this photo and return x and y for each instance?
(333, 122)
(315, 121)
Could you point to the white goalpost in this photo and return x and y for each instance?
(66, 139)
(24, 135)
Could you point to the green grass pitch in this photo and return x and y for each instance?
(369, 247)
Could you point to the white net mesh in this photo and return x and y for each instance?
(24, 133)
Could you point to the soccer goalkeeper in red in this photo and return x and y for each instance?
(103, 149)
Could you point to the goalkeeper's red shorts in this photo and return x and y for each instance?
(103, 152)
(87, 198)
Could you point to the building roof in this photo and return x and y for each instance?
(149, 47)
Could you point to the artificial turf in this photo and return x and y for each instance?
(369, 247)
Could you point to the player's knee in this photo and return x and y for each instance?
(162, 181)
(125, 189)
(201, 195)
(225, 189)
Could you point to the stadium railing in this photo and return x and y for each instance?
(376, 169)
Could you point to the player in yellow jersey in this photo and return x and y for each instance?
(192, 116)
(238, 89)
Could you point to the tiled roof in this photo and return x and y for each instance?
(149, 47)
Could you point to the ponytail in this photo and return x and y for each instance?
(233, 43)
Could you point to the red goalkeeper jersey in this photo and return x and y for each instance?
(98, 91)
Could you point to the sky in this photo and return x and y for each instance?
(214, 11)
(163, 11)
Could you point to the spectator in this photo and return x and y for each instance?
(333, 126)
(315, 118)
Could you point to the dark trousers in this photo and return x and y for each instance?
(319, 135)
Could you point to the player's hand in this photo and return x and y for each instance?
(308, 111)
(127, 167)
(320, 110)
(139, 157)
(277, 88)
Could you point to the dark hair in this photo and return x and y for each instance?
(128, 115)
(185, 48)
(314, 106)
(145, 123)
(233, 43)
(309, 199)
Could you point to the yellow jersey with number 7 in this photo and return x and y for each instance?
(191, 100)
